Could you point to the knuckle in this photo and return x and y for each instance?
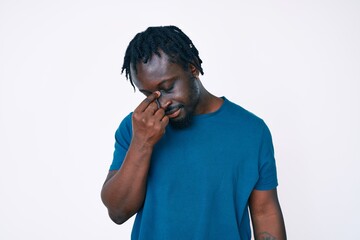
(151, 105)
(135, 115)
(147, 100)
(161, 111)
(165, 120)
(154, 104)
(149, 123)
(157, 127)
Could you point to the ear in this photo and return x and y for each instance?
(194, 71)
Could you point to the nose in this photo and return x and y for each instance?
(163, 102)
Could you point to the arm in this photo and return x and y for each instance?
(124, 190)
(266, 215)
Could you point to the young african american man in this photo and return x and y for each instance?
(189, 164)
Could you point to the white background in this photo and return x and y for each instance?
(296, 64)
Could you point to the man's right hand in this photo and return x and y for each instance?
(149, 121)
(124, 190)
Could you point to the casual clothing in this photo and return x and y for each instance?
(201, 177)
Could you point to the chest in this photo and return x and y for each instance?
(204, 160)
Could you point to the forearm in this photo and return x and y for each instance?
(269, 226)
(266, 215)
(123, 194)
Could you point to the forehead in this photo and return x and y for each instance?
(157, 69)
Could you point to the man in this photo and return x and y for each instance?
(190, 164)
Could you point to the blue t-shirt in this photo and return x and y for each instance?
(201, 177)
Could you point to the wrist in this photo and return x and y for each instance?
(141, 146)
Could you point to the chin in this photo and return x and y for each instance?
(181, 123)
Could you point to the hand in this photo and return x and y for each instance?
(149, 121)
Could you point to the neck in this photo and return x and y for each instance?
(208, 102)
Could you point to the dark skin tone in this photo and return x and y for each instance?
(173, 93)
(266, 215)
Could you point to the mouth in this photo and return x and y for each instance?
(173, 112)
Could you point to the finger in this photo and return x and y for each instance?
(166, 105)
(147, 101)
(152, 108)
(159, 114)
(164, 121)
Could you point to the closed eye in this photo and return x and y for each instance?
(167, 90)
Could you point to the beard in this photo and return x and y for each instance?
(194, 97)
(183, 122)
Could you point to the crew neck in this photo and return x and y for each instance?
(211, 114)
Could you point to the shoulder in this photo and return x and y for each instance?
(127, 120)
(125, 127)
(241, 115)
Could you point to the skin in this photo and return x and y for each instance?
(180, 89)
(266, 215)
(173, 94)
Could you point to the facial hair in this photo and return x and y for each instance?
(194, 96)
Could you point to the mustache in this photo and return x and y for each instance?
(172, 109)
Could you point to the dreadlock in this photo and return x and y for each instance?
(170, 39)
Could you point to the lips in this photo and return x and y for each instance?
(173, 112)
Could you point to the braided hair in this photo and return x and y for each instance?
(170, 39)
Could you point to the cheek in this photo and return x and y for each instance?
(181, 95)
(186, 88)
(182, 92)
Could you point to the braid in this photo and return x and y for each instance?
(170, 39)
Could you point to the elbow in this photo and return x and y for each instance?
(115, 214)
(118, 211)
(119, 217)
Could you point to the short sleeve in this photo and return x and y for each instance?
(267, 167)
(122, 142)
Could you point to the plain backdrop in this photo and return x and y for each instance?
(296, 64)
